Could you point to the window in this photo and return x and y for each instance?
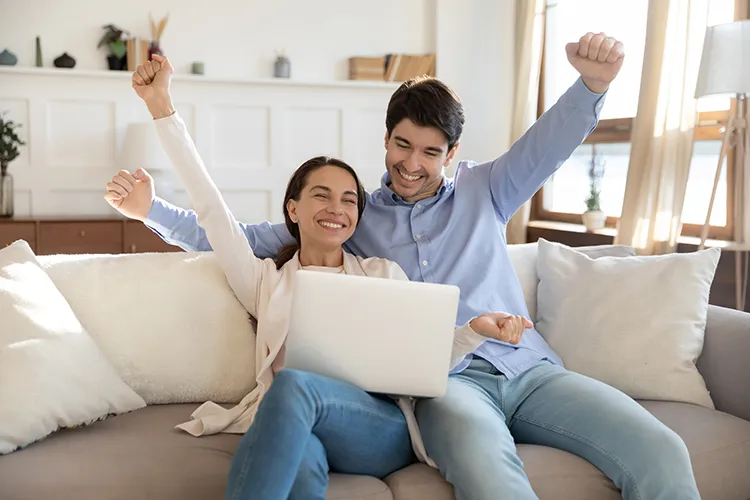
(563, 197)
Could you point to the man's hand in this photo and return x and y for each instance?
(500, 326)
(598, 58)
(131, 195)
(151, 82)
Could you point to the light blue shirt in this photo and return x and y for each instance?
(455, 237)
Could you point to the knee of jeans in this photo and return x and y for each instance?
(290, 382)
(665, 453)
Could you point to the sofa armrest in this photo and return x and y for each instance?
(725, 361)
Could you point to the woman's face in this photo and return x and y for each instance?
(326, 212)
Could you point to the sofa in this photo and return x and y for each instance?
(178, 337)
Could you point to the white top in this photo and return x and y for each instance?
(264, 291)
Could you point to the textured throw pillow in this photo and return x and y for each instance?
(635, 323)
(52, 374)
(524, 256)
(168, 321)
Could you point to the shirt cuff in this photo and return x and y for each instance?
(161, 216)
(579, 96)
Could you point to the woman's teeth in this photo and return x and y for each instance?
(331, 225)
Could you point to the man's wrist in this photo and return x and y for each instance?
(595, 86)
(160, 107)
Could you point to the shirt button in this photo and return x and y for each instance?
(417, 236)
(417, 206)
(424, 262)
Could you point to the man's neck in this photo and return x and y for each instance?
(311, 256)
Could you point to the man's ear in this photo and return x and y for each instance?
(386, 139)
(450, 155)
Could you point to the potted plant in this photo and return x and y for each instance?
(9, 142)
(594, 218)
(115, 39)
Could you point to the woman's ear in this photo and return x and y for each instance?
(291, 208)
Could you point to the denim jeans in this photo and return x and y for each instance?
(471, 434)
(307, 424)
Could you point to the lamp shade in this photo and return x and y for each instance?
(725, 63)
(142, 149)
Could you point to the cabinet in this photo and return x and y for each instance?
(48, 236)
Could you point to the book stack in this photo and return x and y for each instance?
(392, 67)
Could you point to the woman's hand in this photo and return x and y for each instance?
(151, 82)
(500, 326)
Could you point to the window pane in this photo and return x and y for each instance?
(700, 183)
(568, 20)
(567, 190)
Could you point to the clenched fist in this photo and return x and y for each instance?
(598, 58)
(131, 194)
(500, 326)
(151, 82)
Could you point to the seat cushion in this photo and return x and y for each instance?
(140, 455)
(719, 447)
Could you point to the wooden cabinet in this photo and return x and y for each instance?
(139, 238)
(48, 236)
(11, 231)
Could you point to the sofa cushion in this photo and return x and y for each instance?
(719, 446)
(169, 322)
(140, 455)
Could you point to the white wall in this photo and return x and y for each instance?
(474, 41)
(235, 38)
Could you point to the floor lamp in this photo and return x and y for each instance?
(725, 70)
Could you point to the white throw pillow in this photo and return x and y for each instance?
(168, 321)
(52, 374)
(523, 258)
(635, 323)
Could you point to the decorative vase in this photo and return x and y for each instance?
(594, 219)
(282, 68)
(117, 63)
(38, 52)
(153, 48)
(8, 58)
(6, 195)
(65, 61)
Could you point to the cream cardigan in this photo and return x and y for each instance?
(264, 291)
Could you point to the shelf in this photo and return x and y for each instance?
(62, 72)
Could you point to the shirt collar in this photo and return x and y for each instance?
(390, 197)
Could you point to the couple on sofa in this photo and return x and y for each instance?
(506, 384)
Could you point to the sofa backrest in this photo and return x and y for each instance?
(174, 329)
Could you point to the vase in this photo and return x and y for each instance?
(8, 58)
(282, 68)
(153, 48)
(6, 195)
(64, 61)
(594, 219)
(38, 52)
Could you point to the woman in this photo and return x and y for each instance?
(306, 424)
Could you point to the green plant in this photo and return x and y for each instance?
(596, 172)
(9, 142)
(114, 38)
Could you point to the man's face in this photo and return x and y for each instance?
(415, 157)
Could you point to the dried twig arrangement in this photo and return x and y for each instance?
(157, 31)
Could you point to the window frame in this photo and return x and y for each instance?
(710, 126)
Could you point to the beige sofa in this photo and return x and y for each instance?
(149, 314)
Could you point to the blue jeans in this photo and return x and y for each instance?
(307, 424)
(471, 434)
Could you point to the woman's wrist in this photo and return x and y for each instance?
(160, 106)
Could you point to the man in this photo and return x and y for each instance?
(453, 231)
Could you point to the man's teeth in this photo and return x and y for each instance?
(408, 177)
(331, 225)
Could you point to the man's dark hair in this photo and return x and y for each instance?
(427, 102)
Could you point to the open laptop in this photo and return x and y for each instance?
(385, 336)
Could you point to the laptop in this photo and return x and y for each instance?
(385, 336)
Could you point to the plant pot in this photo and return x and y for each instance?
(117, 63)
(6, 195)
(594, 219)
